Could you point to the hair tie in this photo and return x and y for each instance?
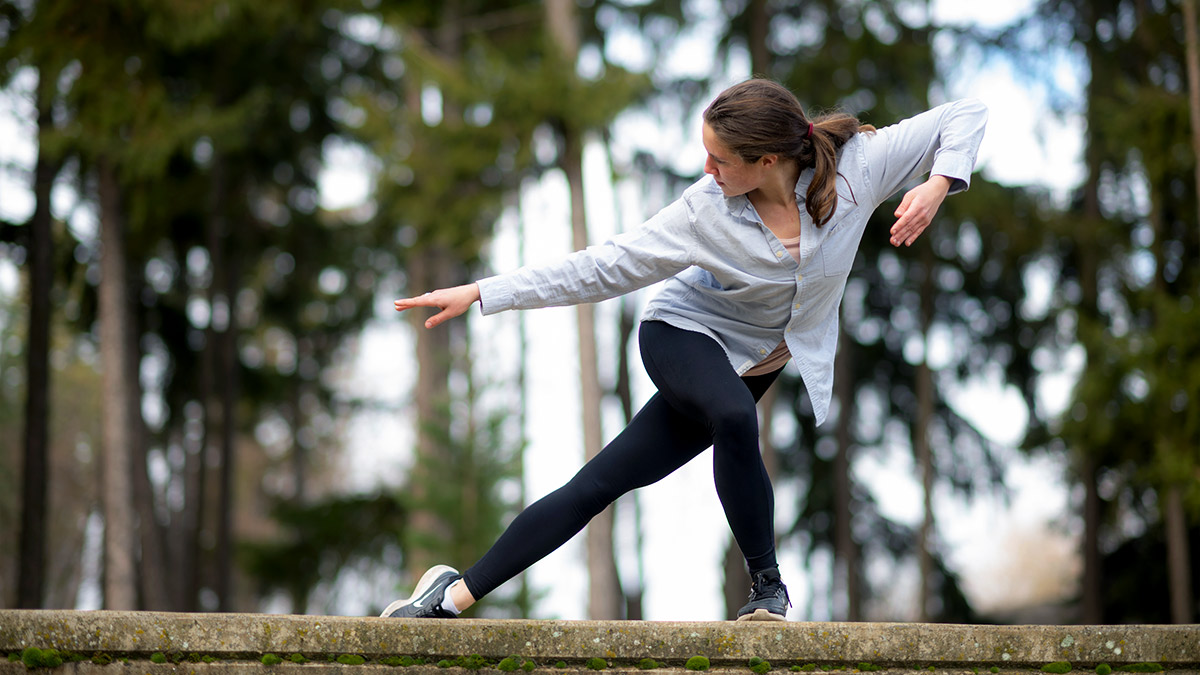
(809, 134)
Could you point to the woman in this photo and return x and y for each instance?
(753, 279)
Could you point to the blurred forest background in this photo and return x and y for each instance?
(184, 312)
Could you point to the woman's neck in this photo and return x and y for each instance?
(779, 188)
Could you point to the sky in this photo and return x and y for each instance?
(684, 530)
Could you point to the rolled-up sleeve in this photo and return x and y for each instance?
(660, 248)
(943, 141)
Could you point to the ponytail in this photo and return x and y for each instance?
(761, 117)
(830, 133)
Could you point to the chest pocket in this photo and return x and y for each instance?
(841, 244)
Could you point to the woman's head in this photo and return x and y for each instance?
(760, 117)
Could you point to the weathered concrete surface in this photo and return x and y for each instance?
(238, 642)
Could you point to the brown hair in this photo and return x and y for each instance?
(761, 117)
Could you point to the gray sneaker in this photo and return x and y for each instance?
(426, 600)
(768, 598)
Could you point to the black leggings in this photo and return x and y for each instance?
(701, 402)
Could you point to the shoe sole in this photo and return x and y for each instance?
(423, 585)
(761, 615)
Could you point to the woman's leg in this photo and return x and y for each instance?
(657, 441)
(693, 374)
(660, 439)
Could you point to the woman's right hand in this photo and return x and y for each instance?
(452, 302)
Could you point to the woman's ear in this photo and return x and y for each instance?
(767, 161)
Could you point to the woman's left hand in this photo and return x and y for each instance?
(917, 209)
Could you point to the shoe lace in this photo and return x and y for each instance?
(765, 586)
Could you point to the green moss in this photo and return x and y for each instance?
(995, 669)
(597, 663)
(1142, 668)
(869, 667)
(445, 663)
(13, 657)
(101, 659)
(761, 667)
(1057, 667)
(392, 661)
(33, 657)
(809, 667)
(351, 660)
(528, 666)
(508, 665)
(647, 664)
(271, 660)
(472, 662)
(560, 665)
(208, 658)
(158, 657)
(296, 657)
(697, 663)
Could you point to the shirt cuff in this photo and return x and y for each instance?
(495, 294)
(957, 166)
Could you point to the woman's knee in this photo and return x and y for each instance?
(735, 426)
(590, 493)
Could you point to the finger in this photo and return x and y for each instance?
(425, 300)
(440, 317)
(904, 204)
(900, 230)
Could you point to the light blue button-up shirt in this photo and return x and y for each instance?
(730, 278)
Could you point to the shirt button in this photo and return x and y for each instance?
(762, 351)
(778, 254)
(796, 306)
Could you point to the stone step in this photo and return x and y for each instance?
(156, 643)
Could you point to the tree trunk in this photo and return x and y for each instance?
(120, 582)
(152, 566)
(759, 29)
(1193, 76)
(227, 500)
(845, 549)
(635, 592)
(434, 267)
(604, 596)
(186, 546)
(429, 270)
(1093, 607)
(1088, 262)
(220, 425)
(924, 454)
(1179, 570)
(35, 472)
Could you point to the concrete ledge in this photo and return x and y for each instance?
(237, 642)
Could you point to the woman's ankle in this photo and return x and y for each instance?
(461, 595)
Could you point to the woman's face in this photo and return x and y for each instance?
(734, 175)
